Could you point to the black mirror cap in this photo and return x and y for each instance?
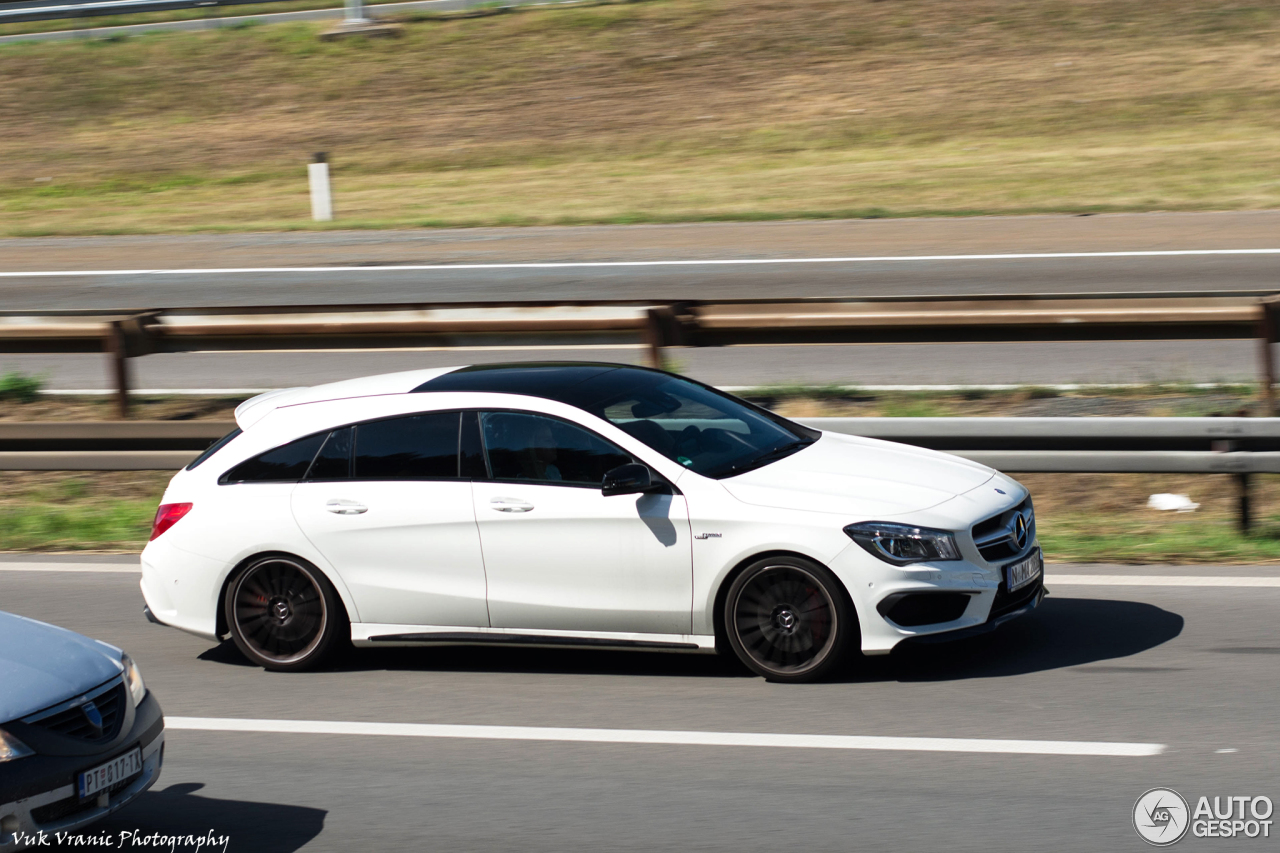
(630, 479)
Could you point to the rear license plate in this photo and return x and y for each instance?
(104, 776)
(1024, 572)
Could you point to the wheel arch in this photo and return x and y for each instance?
(221, 629)
(722, 593)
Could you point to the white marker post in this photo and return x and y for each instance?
(355, 14)
(321, 201)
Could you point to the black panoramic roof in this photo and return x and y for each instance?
(577, 383)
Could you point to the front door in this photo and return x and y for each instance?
(386, 506)
(558, 554)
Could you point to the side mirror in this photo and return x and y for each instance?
(630, 479)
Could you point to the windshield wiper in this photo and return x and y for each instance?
(766, 457)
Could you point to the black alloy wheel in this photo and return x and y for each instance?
(284, 614)
(788, 619)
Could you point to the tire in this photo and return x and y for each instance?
(789, 619)
(284, 615)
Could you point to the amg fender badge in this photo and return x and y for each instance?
(706, 536)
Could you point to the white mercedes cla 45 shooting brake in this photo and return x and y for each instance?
(577, 504)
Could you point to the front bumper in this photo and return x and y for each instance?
(947, 600)
(38, 793)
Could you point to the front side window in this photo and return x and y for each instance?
(534, 448)
(415, 447)
(285, 464)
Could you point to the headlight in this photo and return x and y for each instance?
(901, 544)
(133, 678)
(11, 748)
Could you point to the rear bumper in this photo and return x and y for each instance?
(38, 793)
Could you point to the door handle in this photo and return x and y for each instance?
(345, 507)
(510, 505)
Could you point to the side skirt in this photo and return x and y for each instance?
(368, 634)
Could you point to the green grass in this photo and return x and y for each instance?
(1167, 538)
(77, 525)
(605, 114)
(20, 388)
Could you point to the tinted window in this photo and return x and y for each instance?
(214, 448)
(284, 464)
(333, 462)
(540, 449)
(417, 447)
(702, 429)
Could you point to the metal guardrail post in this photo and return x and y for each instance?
(662, 329)
(116, 345)
(1266, 339)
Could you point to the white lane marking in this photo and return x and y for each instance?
(857, 259)
(98, 568)
(1159, 580)
(678, 738)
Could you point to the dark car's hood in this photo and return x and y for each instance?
(42, 665)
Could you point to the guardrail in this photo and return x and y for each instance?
(1062, 317)
(1237, 446)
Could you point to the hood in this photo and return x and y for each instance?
(42, 665)
(861, 478)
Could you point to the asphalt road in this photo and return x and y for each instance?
(692, 261)
(940, 364)
(88, 29)
(1194, 668)
(703, 261)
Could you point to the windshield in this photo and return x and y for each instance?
(704, 430)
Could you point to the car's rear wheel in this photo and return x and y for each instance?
(788, 619)
(284, 614)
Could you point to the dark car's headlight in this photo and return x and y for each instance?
(901, 544)
(12, 749)
(133, 678)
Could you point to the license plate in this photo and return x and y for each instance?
(1024, 572)
(105, 775)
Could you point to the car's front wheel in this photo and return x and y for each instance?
(284, 614)
(788, 619)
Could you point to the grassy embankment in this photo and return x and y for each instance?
(668, 110)
(1084, 517)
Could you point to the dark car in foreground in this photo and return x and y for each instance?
(80, 734)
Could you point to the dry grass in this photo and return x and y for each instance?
(656, 111)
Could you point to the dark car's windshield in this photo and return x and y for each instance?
(703, 429)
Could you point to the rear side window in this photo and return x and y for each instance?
(415, 447)
(214, 448)
(285, 464)
(333, 462)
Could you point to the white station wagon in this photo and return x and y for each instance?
(577, 504)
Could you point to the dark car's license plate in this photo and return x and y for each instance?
(104, 776)
(1024, 572)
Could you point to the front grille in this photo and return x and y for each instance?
(72, 721)
(997, 536)
(1007, 602)
(63, 809)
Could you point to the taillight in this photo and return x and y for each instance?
(167, 515)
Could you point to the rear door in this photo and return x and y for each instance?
(386, 504)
